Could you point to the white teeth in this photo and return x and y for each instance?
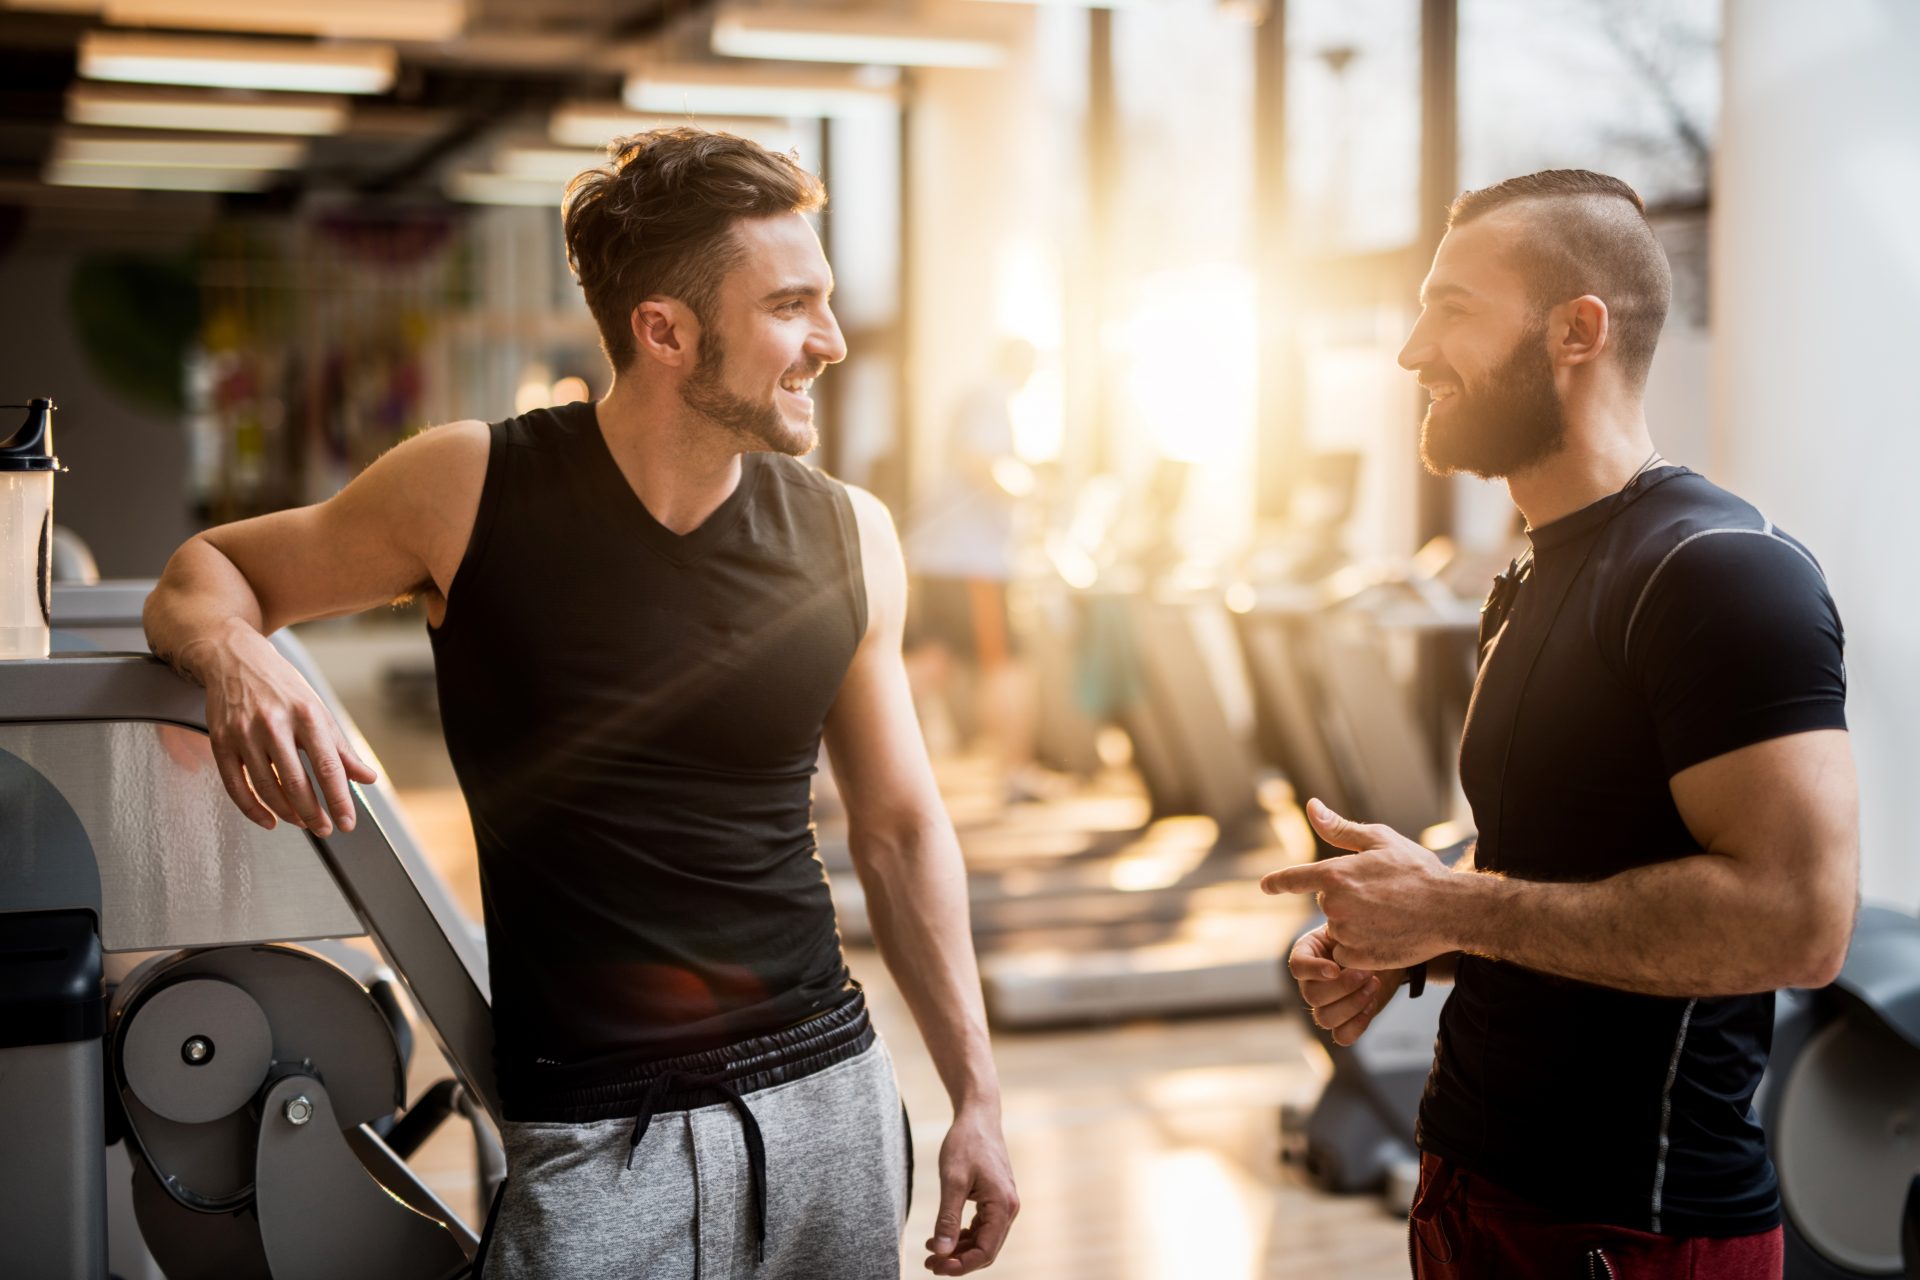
(800, 388)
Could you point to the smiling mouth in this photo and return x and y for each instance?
(1441, 390)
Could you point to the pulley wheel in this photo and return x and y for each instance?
(196, 1050)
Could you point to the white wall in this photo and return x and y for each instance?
(1816, 275)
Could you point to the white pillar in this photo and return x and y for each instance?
(1816, 312)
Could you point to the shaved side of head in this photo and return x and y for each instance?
(1578, 233)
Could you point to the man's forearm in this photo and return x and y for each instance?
(916, 891)
(200, 598)
(1694, 926)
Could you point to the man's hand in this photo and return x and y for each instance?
(973, 1166)
(260, 717)
(1344, 1001)
(1386, 906)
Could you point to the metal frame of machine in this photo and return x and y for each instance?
(292, 1177)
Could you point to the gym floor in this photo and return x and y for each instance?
(1148, 1151)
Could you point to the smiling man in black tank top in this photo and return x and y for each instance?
(1656, 759)
(647, 615)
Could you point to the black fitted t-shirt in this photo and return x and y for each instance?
(1658, 628)
(635, 716)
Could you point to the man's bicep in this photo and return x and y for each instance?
(390, 531)
(873, 740)
(873, 733)
(1786, 804)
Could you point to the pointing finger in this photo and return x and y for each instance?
(1310, 877)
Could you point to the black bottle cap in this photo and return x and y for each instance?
(31, 447)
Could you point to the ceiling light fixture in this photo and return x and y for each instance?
(129, 107)
(161, 178)
(425, 20)
(1163, 5)
(236, 64)
(501, 188)
(547, 164)
(807, 35)
(696, 91)
(594, 125)
(145, 151)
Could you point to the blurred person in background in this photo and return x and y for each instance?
(1657, 759)
(961, 549)
(646, 613)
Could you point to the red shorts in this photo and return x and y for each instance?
(1465, 1228)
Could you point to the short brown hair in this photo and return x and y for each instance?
(657, 221)
(1594, 238)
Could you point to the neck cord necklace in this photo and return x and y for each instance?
(1652, 460)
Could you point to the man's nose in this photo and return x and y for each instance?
(828, 343)
(1419, 349)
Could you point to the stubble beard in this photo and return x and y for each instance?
(1511, 424)
(757, 425)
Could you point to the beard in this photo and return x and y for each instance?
(1512, 423)
(756, 423)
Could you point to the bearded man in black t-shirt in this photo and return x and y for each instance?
(1657, 760)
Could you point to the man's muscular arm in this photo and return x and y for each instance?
(908, 859)
(401, 525)
(1769, 903)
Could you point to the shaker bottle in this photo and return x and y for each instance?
(27, 468)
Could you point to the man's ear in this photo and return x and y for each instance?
(1581, 331)
(665, 331)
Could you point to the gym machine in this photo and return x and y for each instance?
(180, 1002)
(1841, 1106)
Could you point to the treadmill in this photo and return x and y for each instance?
(197, 1078)
(1161, 915)
(1170, 919)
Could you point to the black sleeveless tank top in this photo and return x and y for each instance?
(634, 716)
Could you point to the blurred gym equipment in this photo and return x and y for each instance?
(1841, 1106)
(1160, 918)
(1168, 918)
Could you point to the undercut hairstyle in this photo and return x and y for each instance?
(656, 221)
(1586, 233)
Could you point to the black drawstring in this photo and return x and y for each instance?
(663, 1084)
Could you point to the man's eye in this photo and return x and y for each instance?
(793, 308)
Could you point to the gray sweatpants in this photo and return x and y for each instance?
(837, 1161)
